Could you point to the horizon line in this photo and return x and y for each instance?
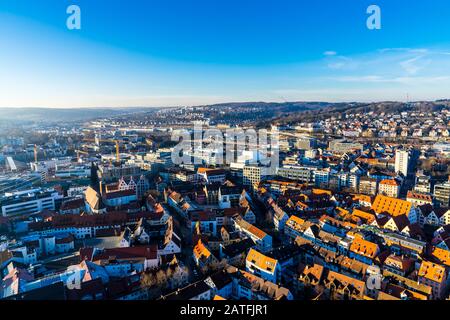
(224, 103)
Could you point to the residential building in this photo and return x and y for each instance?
(390, 188)
(442, 194)
(402, 161)
(263, 266)
(435, 276)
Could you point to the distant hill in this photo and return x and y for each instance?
(62, 115)
(261, 113)
(341, 109)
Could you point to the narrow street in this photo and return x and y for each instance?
(186, 242)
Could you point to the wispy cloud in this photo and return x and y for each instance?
(392, 63)
(408, 50)
(414, 65)
(399, 80)
(342, 63)
(384, 74)
(330, 53)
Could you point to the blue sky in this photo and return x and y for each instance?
(167, 52)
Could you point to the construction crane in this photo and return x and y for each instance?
(108, 140)
(35, 153)
(78, 154)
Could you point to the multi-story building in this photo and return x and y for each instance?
(306, 143)
(253, 175)
(229, 196)
(322, 178)
(262, 240)
(423, 184)
(212, 176)
(119, 198)
(419, 198)
(368, 186)
(28, 202)
(108, 173)
(298, 173)
(263, 266)
(394, 207)
(402, 158)
(363, 250)
(294, 227)
(435, 276)
(390, 188)
(442, 194)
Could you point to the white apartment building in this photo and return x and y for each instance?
(390, 188)
(402, 162)
(28, 202)
(253, 175)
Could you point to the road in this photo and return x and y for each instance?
(186, 243)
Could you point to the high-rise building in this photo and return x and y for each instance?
(253, 175)
(402, 162)
(442, 194)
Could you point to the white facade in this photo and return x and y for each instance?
(402, 162)
(30, 206)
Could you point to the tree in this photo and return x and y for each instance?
(161, 278)
(148, 280)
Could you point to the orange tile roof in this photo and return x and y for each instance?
(261, 261)
(210, 171)
(256, 231)
(342, 211)
(391, 206)
(443, 256)
(262, 190)
(362, 198)
(390, 182)
(364, 248)
(202, 170)
(398, 262)
(368, 217)
(92, 198)
(321, 192)
(251, 228)
(315, 272)
(385, 296)
(432, 271)
(201, 251)
(419, 196)
(295, 222)
(346, 280)
(413, 285)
